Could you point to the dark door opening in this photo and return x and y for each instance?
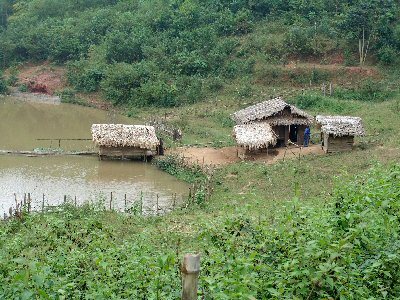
(293, 131)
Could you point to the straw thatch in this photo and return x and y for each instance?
(341, 125)
(254, 136)
(120, 135)
(272, 112)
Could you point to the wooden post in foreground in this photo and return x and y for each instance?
(190, 276)
(43, 203)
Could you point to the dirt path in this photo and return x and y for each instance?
(228, 155)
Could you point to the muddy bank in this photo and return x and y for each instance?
(36, 98)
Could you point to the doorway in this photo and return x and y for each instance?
(293, 132)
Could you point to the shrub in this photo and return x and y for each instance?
(122, 81)
(156, 93)
(323, 103)
(215, 84)
(12, 80)
(298, 41)
(369, 90)
(69, 96)
(3, 85)
(387, 55)
(179, 167)
(85, 76)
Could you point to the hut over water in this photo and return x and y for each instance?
(286, 120)
(125, 141)
(338, 132)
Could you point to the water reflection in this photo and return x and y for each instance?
(85, 178)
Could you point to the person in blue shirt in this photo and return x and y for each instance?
(307, 134)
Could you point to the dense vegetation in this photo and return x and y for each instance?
(169, 52)
(277, 231)
(347, 248)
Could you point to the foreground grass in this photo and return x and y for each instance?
(346, 247)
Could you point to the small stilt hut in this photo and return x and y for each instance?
(287, 121)
(254, 136)
(338, 132)
(125, 141)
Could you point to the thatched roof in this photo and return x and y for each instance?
(341, 125)
(254, 136)
(120, 135)
(271, 112)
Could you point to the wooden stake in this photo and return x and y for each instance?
(29, 202)
(157, 204)
(65, 199)
(111, 200)
(125, 204)
(190, 276)
(43, 203)
(75, 201)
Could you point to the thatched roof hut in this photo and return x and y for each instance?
(341, 125)
(272, 112)
(126, 141)
(254, 136)
(338, 132)
(287, 121)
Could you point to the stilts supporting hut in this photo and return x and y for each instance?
(338, 132)
(125, 141)
(286, 121)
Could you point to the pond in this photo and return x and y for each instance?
(78, 178)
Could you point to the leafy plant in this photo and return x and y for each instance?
(3, 85)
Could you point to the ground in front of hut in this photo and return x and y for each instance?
(228, 155)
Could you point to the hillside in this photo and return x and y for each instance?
(169, 53)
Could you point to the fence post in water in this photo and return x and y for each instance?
(125, 204)
(75, 201)
(190, 276)
(65, 199)
(111, 201)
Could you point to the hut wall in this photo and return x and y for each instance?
(123, 152)
(282, 132)
(338, 144)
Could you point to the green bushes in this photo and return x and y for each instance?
(369, 91)
(186, 39)
(346, 248)
(177, 166)
(3, 85)
(6, 82)
(323, 103)
(85, 76)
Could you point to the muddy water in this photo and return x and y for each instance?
(85, 178)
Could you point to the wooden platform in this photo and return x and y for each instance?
(45, 153)
(125, 152)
